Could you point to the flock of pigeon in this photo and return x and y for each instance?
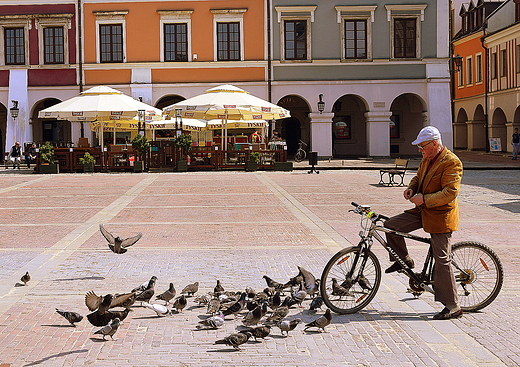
(257, 311)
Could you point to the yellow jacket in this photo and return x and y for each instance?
(440, 187)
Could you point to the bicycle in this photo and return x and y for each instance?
(300, 152)
(351, 278)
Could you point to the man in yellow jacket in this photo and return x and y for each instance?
(434, 192)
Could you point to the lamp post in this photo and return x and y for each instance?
(321, 104)
(178, 121)
(141, 122)
(14, 111)
(457, 63)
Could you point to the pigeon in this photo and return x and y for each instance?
(213, 322)
(250, 292)
(237, 306)
(143, 286)
(251, 305)
(253, 317)
(364, 283)
(338, 290)
(259, 332)
(109, 329)
(272, 283)
(117, 244)
(94, 302)
(25, 278)
(316, 303)
(202, 299)
(168, 294)
(180, 302)
(320, 322)
(97, 318)
(274, 301)
(191, 289)
(235, 340)
(70, 316)
(218, 288)
(280, 312)
(147, 294)
(297, 297)
(310, 281)
(160, 310)
(213, 306)
(294, 281)
(288, 325)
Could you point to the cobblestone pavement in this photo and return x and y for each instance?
(236, 227)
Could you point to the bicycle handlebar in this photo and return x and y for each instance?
(365, 210)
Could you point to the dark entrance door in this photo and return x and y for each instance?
(50, 131)
(292, 133)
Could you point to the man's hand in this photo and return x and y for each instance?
(408, 193)
(418, 199)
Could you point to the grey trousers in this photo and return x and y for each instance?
(444, 280)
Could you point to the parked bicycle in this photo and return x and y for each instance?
(300, 152)
(352, 277)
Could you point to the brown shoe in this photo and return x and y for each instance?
(396, 266)
(446, 314)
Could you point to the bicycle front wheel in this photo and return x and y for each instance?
(478, 274)
(299, 155)
(358, 273)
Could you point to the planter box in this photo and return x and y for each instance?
(138, 166)
(88, 168)
(49, 168)
(283, 166)
(182, 166)
(251, 165)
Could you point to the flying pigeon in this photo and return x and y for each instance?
(320, 322)
(160, 310)
(25, 278)
(168, 294)
(109, 329)
(213, 322)
(191, 289)
(180, 302)
(143, 286)
(235, 340)
(310, 281)
(94, 302)
(70, 316)
(117, 244)
(288, 325)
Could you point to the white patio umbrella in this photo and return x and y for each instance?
(226, 103)
(104, 105)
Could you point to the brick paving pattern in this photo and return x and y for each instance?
(235, 227)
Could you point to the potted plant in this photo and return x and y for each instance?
(252, 163)
(141, 145)
(47, 159)
(88, 162)
(184, 142)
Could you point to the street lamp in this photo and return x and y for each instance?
(457, 63)
(140, 122)
(321, 104)
(14, 110)
(178, 121)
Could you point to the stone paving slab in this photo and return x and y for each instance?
(196, 234)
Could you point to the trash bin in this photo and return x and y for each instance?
(313, 158)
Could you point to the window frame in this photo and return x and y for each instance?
(54, 21)
(175, 42)
(460, 77)
(502, 63)
(394, 38)
(228, 50)
(174, 17)
(469, 70)
(479, 68)
(345, 13)
(110, 18)
(296, 13)
(10, 21)
(296, 48)
(406, 11)
(16, 46)
(228, 16)
(493, 65)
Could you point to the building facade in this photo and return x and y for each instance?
(382, 70)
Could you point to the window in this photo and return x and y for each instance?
(14, 42)
(355, 39)
(395, 126)
(517, 10)
(342, 128)
(503, 63)
(176, 42)
(53, 45)
(461, 76)
(111, 42)
(469, 70)
(517, 56)
(228, 41)
(295, 31)
(493, 66)
(478, 68)
(405, 38)
(295, 39)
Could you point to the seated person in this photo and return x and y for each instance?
(15, 155)
(31, 156)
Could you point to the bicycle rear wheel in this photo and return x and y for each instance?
(299, 155)
(357, 272)
(478, 274)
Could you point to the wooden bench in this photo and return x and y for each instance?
(399, 170)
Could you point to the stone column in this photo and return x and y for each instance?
(18, 129)
(378, 133)
(321, 134)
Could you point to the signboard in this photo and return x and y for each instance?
(495, 145)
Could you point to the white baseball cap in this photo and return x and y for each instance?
(426, 134)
